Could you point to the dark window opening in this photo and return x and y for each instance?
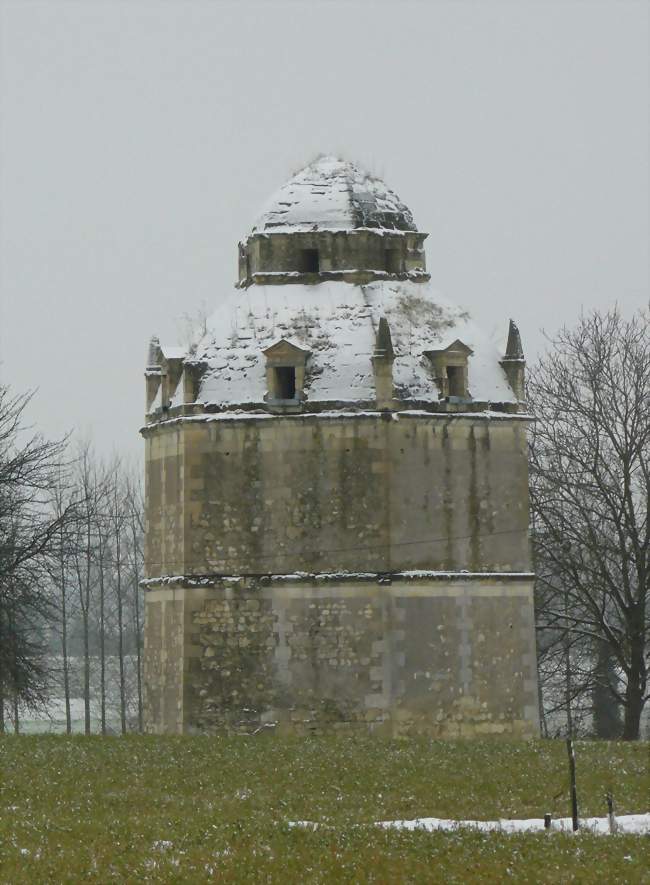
(285, 382)
(392, 261)
(309, 261)
(456, 380)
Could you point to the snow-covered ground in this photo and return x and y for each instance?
(51, 716)
(634, 824)
(637, 824)
(51, 719)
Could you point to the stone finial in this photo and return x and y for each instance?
(153, 359)
(382, 363)
(152, 373)
(384, 342)
(513, 363)
(514, 350)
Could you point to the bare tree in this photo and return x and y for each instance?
(63, 500)
(590, 493)
(70, 566)
(30, 467)
(92, 484)
(191, 327)
(118, 515)
(135, 510)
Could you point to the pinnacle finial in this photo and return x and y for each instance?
(152, 353)
(514, 350)
(383, 342)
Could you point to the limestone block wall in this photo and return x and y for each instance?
(165, 651)
(274, 253)
(311, 493)
(439, 655)
(164, 503)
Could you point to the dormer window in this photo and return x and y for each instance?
(456, 385)
(164, 371)
(284, 378)
(451, 370)
(285, 373)
(309, 261)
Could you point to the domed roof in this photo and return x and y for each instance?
(334, 323)
(337, 324)
(332, 194)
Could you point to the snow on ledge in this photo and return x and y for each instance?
(209, 580)
(241, 415)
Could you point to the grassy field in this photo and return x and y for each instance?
(145, 809)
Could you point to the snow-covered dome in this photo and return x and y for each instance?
(333, 298)
(332, 194)
(337, 324)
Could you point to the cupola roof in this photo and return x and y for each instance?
(333, 194)
(337, 324)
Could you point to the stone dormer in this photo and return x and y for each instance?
(285, 373)
(450, 366)
(163, 374)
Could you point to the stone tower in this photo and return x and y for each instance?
(337, 491)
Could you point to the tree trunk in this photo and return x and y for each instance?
(120, 625)
(86, 615)
(64, 641)
(138, 653)
(636, 677)
(633, 711)
(102, 636)
(16, 713)
(15, 686)
(633, 705)
(568, 687)
(136, 612)
(605, 707)
(2, 676)
(14, 676)
(86, 673)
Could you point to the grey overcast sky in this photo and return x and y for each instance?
(139, 138)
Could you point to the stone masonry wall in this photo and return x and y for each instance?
(442, 657)
(165, 650)
(276, 253)
(319, 494)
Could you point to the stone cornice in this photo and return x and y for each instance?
(192, 414)
(265, 580)
(355, 277)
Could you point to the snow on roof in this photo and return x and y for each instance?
(172, 351)
(332, 194)
(337, 322)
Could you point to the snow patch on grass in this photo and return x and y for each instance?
(629, 824)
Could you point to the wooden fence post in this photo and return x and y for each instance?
(610, 813)
(574, 791)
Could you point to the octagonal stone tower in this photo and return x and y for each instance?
(337, 491)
